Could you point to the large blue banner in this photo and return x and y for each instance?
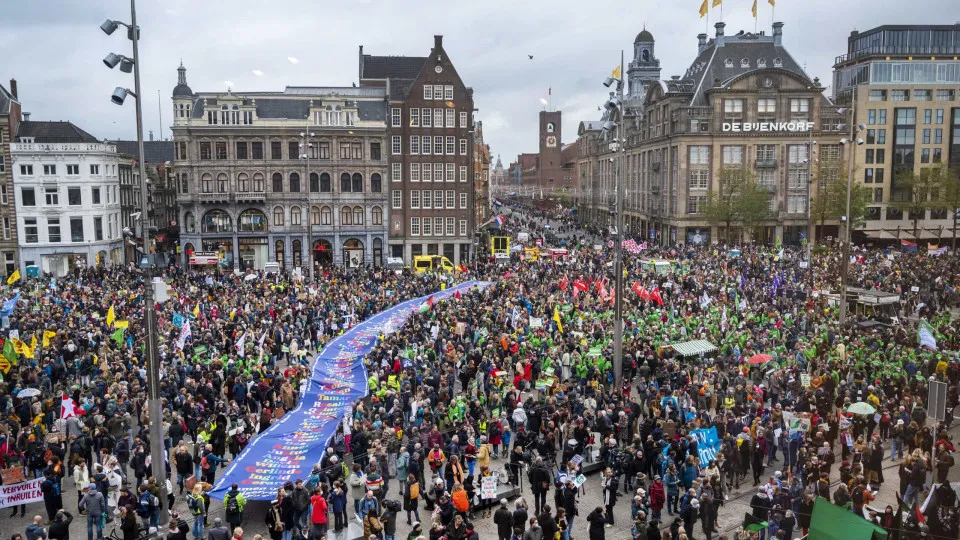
(708, 444)
(290, 447)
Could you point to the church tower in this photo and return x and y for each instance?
(645, 68)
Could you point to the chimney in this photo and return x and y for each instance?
(701, 43)
(13, 89)
(26, 117)
(720, 26)
(437, 42)
(151, 134)
(778, 34)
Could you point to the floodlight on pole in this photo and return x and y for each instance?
(120, 95)
(109, 27)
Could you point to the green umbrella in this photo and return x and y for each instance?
(861, 408)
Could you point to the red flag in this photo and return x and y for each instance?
(639, 290)
(563, 284)
(613, 296)
(600, 284)
(430, 302)
(67, 407)
(603, 293)
(655, 296)
(580, 285)
(457, 294)
(916, 510)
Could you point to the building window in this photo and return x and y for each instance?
(939, 117)
(878, 95)
(358, 215)
(733, 107)
(26, 170)
(322, 183)
(921, 95)
(73, 170)
(256, 150)
(345, 182)
(733, 155)
(415, 144)
(797, 204)
(221, 150)
(438, 199)
(695, 203)
(395, 116)
(346, 215)
(357, 183)
(53, 229)
(799, 167)
(51, 196)
(427, 117)
(899, 95)
(938, 136)
(414, 117)
(344, 150)
(241, 149)
(396, 199)
(927, 116)
(49, 169)
(463, 200)
(375, 151)
(376, 183)
(277, 180)
(448, 91)
(222, 183)
(276, 150)
(414, 172)
(451, 172)
(294, 182)
(463, 147)
(451, 196)
(97, 228)
(944, 95)
(438, 145)
(356, 149)
(3, 194)
(427, 91)
(427, 200)
(799, 106)
(438, 172)
(295, 216)
(450, 224)
(395, 145)
(427, 172)
(451, 147)
(463, 119)
(925, 155)
(95, 169)
(376, 216)
(258, 184)
(427, 226)
(314, 182)
(73, 196)
(31, 232)
(463, 228)
(882, 116)
(426, 147)
(415, 225)
(451, 117)
(76, 229)
(766, 106)
(252, 221)
(326, 215)
(205, 151)
(881, 136)
(396, 172)
(463, 173)
(278, 216)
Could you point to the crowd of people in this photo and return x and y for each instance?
(515, 382)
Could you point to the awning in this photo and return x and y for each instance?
(694, 348)
(880, 235)
(830, 522)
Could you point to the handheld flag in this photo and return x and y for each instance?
(67, 407)
(29, 350)
(14, 277)
(703, 9)
(716, 3)
(118, 336)
(556, 318)
(8, 352)
(656, 297)
(184, 334)
(563, 284)
(240, 352)
(121, 324)
(925, 335)
(773, 2)
(111, 316)
(196, 311)
(47, 334)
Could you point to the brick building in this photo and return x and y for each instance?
(9, 124)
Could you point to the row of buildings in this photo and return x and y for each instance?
(744, 102)
(394, 166)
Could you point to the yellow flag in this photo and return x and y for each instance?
(616, 72)
(47, 334)
(754, 10)
(773, 2)
(196, 310)
(18, 346)
(14, 277)
(28, 351)
(703, 9)
(111, 316)
(121, 324)
(716, 2)
(556, 318)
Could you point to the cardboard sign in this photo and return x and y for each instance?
(805, 380)
(21, 493)
(461, 328)
(488, 487)
(914, 289)
(13, 475)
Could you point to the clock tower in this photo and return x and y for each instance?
(549, 170)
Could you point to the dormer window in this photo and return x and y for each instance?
(777, 62)
(744, 62)
(728, 63)
(761, 62)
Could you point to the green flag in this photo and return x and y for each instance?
(118, 336)
(9, 353)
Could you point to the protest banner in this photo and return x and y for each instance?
(20, 493)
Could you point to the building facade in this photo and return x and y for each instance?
(745, 107)
(431, 153)
(907, 85)
(482, 201)
(66, 191)
(254, 170)
(9, 124)
(162, 213)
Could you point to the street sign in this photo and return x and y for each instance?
(937, 401)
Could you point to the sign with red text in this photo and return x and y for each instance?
(22, 493)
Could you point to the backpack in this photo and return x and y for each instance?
(233, 505)
(204, 464)
(144, 503)
(102, 483)
(193, 502)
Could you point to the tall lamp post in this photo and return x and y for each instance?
(157, 460)
(851, 144)
(616, 107)
(305, 149)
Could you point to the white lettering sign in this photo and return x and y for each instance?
(747, 127)
(22, 493)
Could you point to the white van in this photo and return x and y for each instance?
(272, 267)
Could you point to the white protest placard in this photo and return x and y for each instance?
(536, 322)
(577, 459)
(580, 480)
(804, 264)
(805, 380)
(22, 493)
(488, 487)
(914, 289)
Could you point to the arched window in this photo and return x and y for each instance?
(345, 183)
(376, 183)
(353, 253)
(358, 215)
(243, 183)
(744, 62)
(549, 127)
(357, 182)
(252, 221)
(297, 253)
(295, 216)
(645, 55)
(278, 251)
(278, 216)
(206, 183)
(376, 215)
(258, 183)
(326, 216)
(189, 222)
(325, 183)
(222, 183)
(277, 182)
(314, 182)
(314, 216)
(294, 182)
(217, 221)
(377, 252)
(346, 216)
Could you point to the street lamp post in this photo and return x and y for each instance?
(305, 146)
(852, 144)
(157, 460)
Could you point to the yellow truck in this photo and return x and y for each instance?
(432, 263)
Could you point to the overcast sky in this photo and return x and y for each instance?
(54, 48)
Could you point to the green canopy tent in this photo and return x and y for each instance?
(696, 347)
(830, 522)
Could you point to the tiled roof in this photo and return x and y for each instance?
(155, 151)
(391, 67)
(296, 108)
(54, 132)
(5, 99)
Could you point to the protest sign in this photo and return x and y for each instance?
(13, 475)
(708, 444)
(21, 493)
(488, 487)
